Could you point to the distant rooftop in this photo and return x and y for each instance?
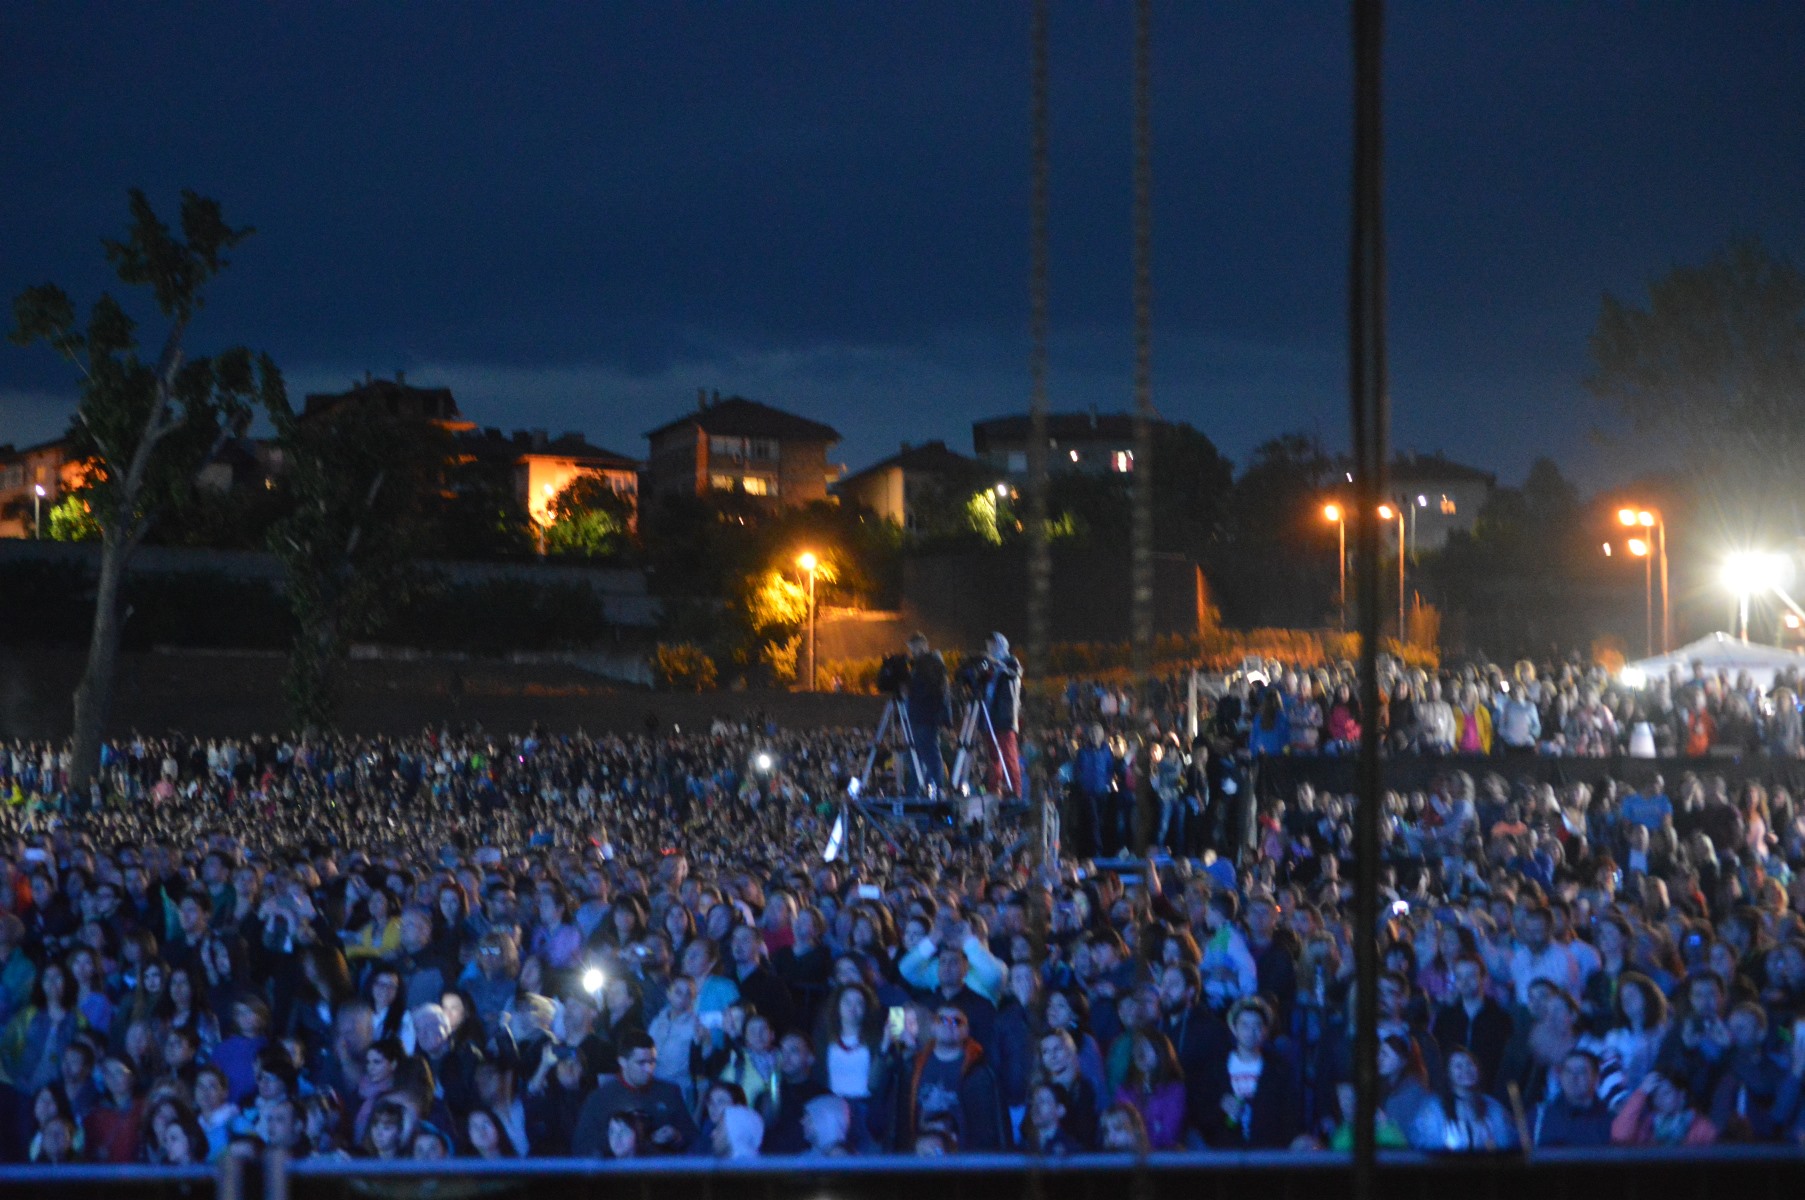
(394, 396)
(737, 416)
(928, 458)
(1061, 427)
(535, 441)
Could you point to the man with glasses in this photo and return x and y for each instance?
(949, 1085)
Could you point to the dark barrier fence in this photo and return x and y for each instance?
(1280, 775)
(1743, 1172)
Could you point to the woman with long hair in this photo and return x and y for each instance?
(182, 1009)
(854, 1061)
(32, 1051)
(146, 998)
(1155, 1088)
(1463, 1117)
(1639, 1026)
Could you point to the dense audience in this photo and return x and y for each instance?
(1482, 709)
(469, 945)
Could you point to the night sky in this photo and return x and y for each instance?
(577, 214)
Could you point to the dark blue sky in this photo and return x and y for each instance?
(576, 215)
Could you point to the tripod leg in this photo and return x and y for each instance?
(877, 741)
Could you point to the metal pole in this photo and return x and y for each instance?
(1403, 629)
(1341, 565)
(1666, 619)
(811, 629)
(1369, 406)
(1141, 536)
(1648, 600)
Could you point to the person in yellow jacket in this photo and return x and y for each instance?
(1472, 724)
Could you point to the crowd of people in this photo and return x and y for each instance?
(1571, 709)
(462, 944)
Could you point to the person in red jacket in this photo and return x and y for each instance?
(1660, 1113)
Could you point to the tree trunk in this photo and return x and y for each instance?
(94, 695)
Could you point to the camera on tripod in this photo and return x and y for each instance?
(975, 673)
(893, 674)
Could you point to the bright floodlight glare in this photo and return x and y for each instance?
(808, 561)
(1792, 620)
(1750, 571)
(1002, 489)
(593, 980)
(1645, 519)
(39, 489)
(1385, 513)
(763, 761)
(1607, 549)
(1634, 678)
(1638, 547)
(1331, 512)
(1422, 501)
(1627, 516)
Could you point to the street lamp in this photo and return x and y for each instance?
(808, 562)
(37, 499)
(1747, 572)
(1333, 512)
(1388, 513)
(1643, 518)
(1640, 548)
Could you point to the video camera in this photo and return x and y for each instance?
(893, 674)
(975, 673)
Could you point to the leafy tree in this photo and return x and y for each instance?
(1715, 361)
(363, 487)
(147, 426)
(589, 519)
(71, 520)
(1276, 564)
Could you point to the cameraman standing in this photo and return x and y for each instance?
(1003, 701)
(930, 709)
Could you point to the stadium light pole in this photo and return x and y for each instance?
(1640, 548)
(1388, 513)
(1334, 512)
(808, 562)
(1652, 520)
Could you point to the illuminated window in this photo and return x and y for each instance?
(1447, 505)
(752, 485)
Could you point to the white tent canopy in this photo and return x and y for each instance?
(1721, 652)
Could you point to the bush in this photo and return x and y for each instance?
(683, 667)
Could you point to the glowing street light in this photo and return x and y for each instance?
(808, 562)
(37, 500)
(1747, 572)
